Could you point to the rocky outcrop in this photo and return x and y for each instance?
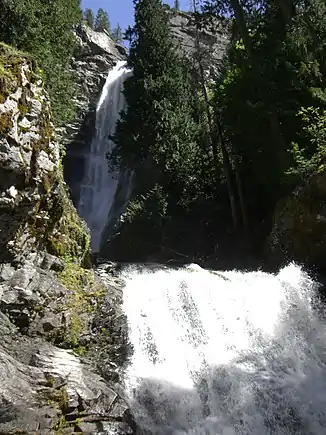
(54, 313)
(35, 210)
(213, 38)
(96, 54)
(46, 389)
(299, 228)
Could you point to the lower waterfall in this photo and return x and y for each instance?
(97, 193)
(225, 353)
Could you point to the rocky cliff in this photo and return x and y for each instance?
(213, 38)
(96, 54)
(59, 321)
(299, 227)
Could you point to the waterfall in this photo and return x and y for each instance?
(98, 189)
(225, 353)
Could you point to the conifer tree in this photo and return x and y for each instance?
(157, 134)
(117, 34)
(89, 17)
(102, 21)
(158, 125)
(177, 5)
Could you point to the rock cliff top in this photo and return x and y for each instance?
(213, 37)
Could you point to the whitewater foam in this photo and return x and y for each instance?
(225, 352)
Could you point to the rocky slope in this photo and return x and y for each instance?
(299, 226)
(52, 309)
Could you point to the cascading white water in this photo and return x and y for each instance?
(225, 353)
(99, 187)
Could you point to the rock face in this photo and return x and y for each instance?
(52, 309)
(96, 54)
(213, 38)
(299, 228)
(35, 210)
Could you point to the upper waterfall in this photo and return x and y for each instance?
(99, 187)
(225, 352)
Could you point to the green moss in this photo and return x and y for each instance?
(23, 110)
(85, 296)
(63, 234)
(6, 123)
(11, 61)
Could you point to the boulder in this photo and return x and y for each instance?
(299, 226)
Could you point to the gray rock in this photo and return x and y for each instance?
(54, 382)
(214, 38)
(44, 163)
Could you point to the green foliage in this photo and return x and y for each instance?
(158, 129)
(266, 106)
(117, 34)
(262, 89)
(311, 158)
(177, 5)
(102, 21)
(89, 17)
(85, 295)
(45, 29)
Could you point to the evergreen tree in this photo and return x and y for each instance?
(158, 124)
(276, 66)
(45, 29)
(102, 22)
(177, 5)
(117, 34)
(89, 17)
(157, 133)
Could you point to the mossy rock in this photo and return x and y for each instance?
(6, 123)
(299, 230)
(85, 295)
(11, 61)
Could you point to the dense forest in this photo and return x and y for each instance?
(214, 155)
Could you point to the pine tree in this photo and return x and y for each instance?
(117, 34)
(177, 5)
(89, 17)
(102, 22)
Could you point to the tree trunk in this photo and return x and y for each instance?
(241, 22)
(226, 162)
(243, 207)
(277, 134)
(287, 9)
(228, 174)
